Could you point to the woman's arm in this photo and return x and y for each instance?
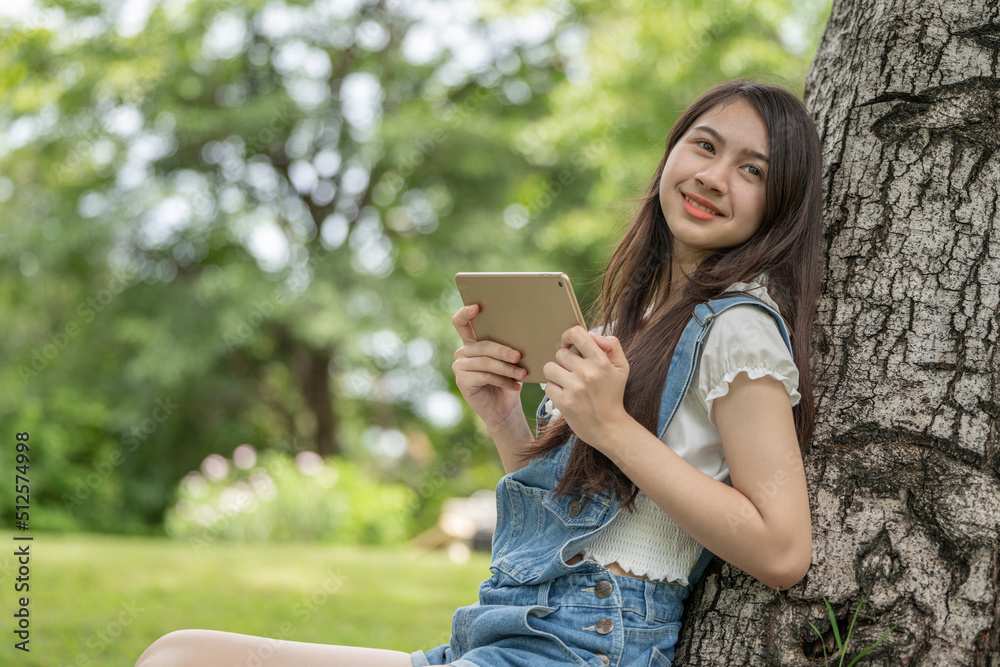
(511, 437)
(761, 524)
(488, 377)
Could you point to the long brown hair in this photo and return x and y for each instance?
(785, 248)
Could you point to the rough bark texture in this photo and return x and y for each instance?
(904, 469)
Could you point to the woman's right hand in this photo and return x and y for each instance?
(485, 372)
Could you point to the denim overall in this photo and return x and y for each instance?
(536, 609)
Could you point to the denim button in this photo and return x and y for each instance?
(603, 658)
(603, 589)
(604, 626)
(575, 508)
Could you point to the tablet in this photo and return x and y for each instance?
(528, 312)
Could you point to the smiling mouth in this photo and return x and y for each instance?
(700, 207)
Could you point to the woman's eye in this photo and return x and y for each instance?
(754, 169)
(706, 145)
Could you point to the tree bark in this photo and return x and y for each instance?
(904, 472)
(311, 369)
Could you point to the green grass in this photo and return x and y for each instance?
(99, 600)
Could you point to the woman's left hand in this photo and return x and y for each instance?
(588, 388)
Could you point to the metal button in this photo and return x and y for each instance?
(603, 658)
(603, 589)
(575, 508)
(604, 626)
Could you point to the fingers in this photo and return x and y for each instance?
(556, 375)
(486, 363)
(462, 321)
(606, 343)
(471, 383)
(479, 364)
(589, 346)
(612, 347)
(569, 358)
(585, 353)
(482, 364)
(579, 337)
(577, 351)
(488, 349)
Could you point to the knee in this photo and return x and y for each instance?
(176, 649)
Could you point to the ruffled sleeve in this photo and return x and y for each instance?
(743, 339)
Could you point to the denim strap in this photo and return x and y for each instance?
(685, 357)
(681, 372)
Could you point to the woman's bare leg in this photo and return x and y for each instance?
(209, 648)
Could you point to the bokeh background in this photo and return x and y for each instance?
(229, 232)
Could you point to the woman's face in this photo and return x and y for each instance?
(712, 190)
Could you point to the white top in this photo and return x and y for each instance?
(647, 542)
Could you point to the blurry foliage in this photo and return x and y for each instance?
(283, 499)
(252, 211)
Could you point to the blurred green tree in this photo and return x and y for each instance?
(228, 222)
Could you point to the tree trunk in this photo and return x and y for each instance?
(311, 369)
(903, 473)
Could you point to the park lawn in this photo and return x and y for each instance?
(101, 600)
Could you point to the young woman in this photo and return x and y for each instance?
(678, 437)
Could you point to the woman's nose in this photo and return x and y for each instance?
(713, 178)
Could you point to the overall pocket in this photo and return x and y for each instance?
(533, 526)
(519, 516)
(577, 511)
